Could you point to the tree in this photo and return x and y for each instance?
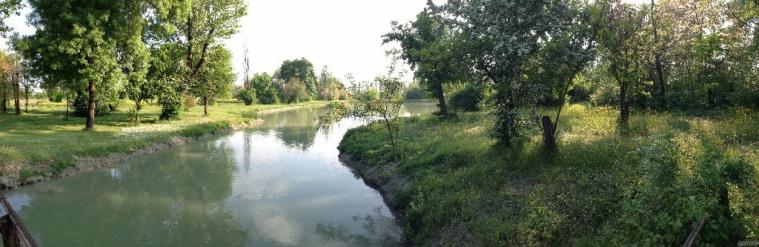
(194, 26)
(5, 81)
(216, 78)
(619, 38)
(328, 86)
(27, 83)
(246, 68)
(266, 91)
(661, 84)
(383, 102)
(554, 68)
(8, 8)
(429, 46)
(498, 38)
(133, 54)
(295, 91)
(75, 52)
(300, 69)
(14, 73)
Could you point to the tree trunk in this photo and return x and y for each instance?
(549, 133)
(26, 99)
(68, 106)
(441, 100)
(93, 106)
(4, 97)
(205, 106)
(17, 95)
(661, 96)
(624, 107)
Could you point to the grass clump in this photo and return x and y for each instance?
(646, 186)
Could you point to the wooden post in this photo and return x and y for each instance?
(13, 230)
(8, 230)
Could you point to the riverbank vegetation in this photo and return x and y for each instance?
(601, 188)
(663, 140)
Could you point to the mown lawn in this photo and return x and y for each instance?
(43, 136)
(604, 187)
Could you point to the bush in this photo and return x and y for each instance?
(251, 114)
(468, 99)
(605, 95)
(295, 92)
(170, 106)
(189, 101)
(268, 96)
(247, 96)
(579, 94)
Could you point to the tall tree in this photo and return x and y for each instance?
(216, 78)
(499, 37)
(74, 47)
(620, 39)
(300, 69)
(428, 45)
(207, 23)
(552, 71)
(661, 84)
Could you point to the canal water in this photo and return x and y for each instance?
(280, 184)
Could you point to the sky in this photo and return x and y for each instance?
(345, 35)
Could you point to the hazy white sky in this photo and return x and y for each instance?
(342, 34)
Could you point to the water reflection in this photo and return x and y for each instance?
(277, 185)
(132, 206)
(376, 224)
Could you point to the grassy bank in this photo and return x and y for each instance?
(646, 187)
(43, 138)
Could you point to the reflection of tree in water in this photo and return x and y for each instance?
(380, 231)
(297, 137)
(296, 128)
(174, 199)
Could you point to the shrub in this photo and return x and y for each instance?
(268, 96)
(579, 94)
(295, 92)
(170, 106)
(189, 101)
(468, 99)
(247, 96)
(251, 114)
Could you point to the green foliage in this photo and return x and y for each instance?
(329, 87)
(8, 8)
(429, 45)
(251, 114)
(248, 97)
(216, 78)
(266, 91)
(81, 106)
(301, 70)
(599, 189)
(171, 105)
(295, 91)
(415, 92)
(469, 99)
